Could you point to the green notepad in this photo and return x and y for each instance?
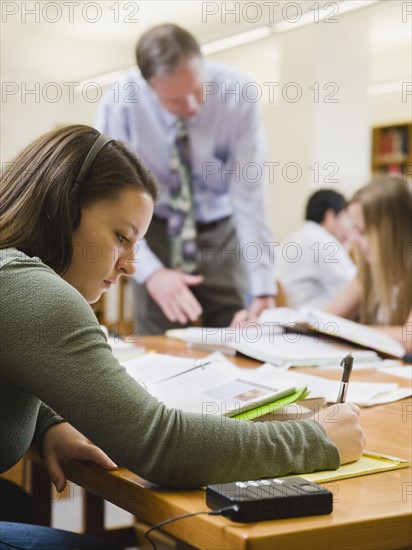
(268, 408)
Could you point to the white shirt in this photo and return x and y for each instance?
(313, 266)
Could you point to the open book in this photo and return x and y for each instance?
(313, 337)
(319, 321)
(298, 350)
(209, 386)
(270, 344)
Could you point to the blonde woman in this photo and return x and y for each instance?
(381, 294)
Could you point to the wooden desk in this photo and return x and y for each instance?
(370, 512)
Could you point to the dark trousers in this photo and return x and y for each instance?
(16, 530)
(35, 537)
(15, 503)
(223, 291)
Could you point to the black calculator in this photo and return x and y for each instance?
(270, 498)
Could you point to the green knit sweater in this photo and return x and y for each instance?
(54, 357)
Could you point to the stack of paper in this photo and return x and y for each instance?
(364, 394)
(206, 338)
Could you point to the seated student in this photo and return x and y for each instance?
(381, 294)
(73, 206)
(313, 265)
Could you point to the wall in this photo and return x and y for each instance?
(366, 46)
(369, 46)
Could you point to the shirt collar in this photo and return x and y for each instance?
(170, 121)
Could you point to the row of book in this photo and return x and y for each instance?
(392, 146)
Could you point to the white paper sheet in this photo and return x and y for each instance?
(362, 393)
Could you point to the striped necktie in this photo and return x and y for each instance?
(181, 225)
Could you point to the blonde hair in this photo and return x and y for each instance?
(386, 203)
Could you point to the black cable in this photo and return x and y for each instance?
(221, 512)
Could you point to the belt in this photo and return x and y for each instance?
(200, 226)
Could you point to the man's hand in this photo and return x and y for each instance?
(169, 288)
(258, 304)
(62, 443)
(341, 423)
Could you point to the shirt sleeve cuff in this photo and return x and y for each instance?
(262, 285)
(46, 418)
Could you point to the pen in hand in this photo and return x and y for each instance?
(347, 364)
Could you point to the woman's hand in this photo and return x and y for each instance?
(62, 443)
(341, 423)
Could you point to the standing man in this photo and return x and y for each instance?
(192, 126)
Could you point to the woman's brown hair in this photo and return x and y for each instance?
(34, 190)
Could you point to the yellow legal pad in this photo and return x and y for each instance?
(369, 463)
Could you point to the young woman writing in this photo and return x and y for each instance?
(74, 205)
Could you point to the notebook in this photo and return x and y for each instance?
(369, 463)
(209, 386)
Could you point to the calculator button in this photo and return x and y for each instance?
(310, 488)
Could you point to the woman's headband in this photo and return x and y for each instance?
(95, 149)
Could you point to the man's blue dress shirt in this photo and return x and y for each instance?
(228, 156)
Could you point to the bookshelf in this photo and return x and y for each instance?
(392, 149)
